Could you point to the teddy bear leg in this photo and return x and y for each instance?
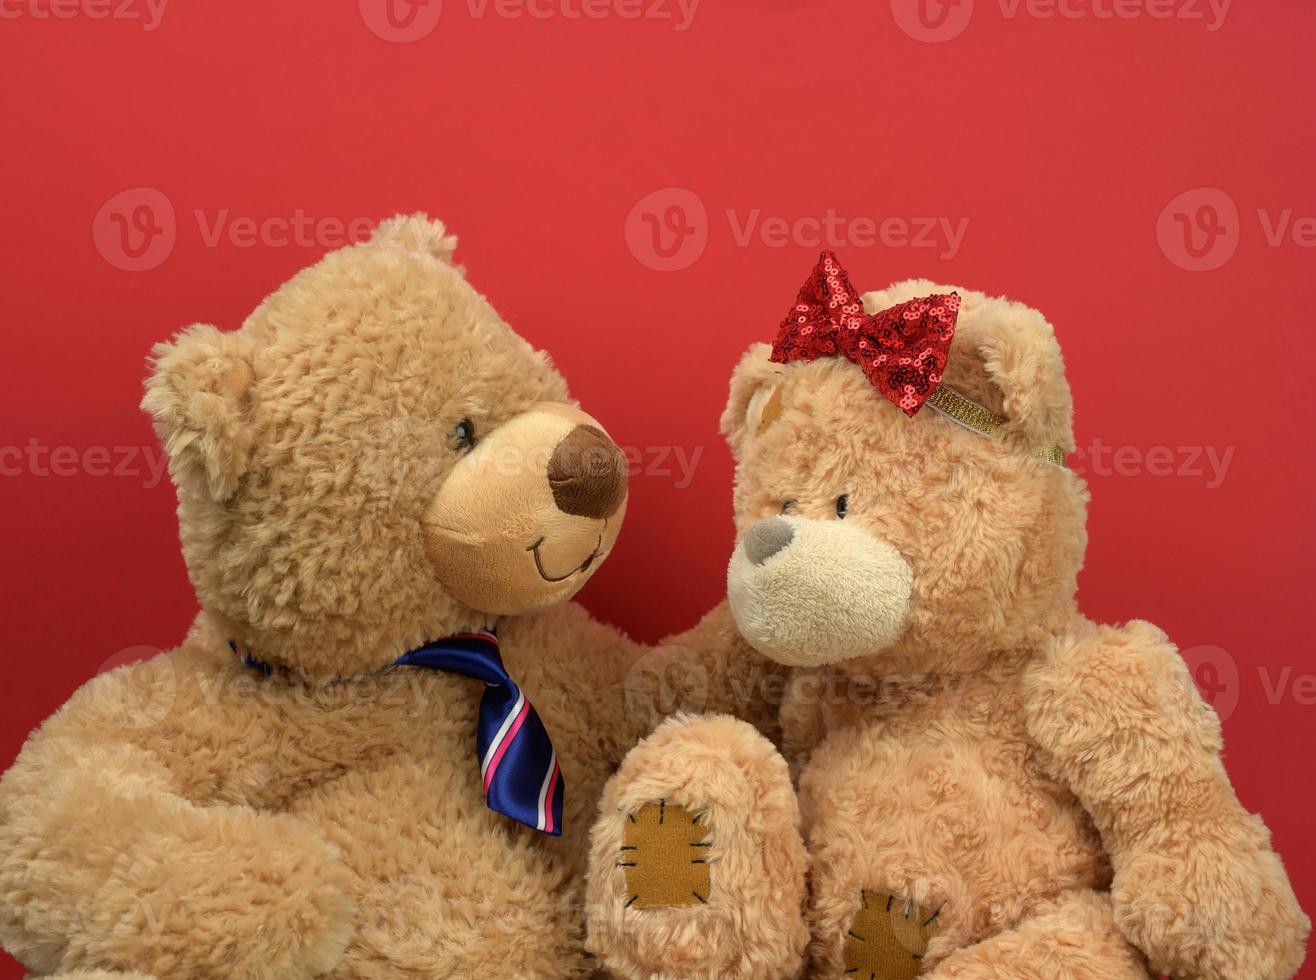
(697, 867)
(885, 937)
(1072, 937)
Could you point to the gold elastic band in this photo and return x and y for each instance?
(961, 408)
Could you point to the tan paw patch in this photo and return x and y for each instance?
(665, 854)
(888, 938)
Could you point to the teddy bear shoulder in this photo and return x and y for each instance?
(1099, 687)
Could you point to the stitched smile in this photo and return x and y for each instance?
(582, 567)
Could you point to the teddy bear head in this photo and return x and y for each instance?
(375, 460)
(913, 544)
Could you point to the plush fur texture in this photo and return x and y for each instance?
(188, 818)
(1053, 790)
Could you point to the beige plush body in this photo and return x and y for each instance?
(986, 784)
(374, 461)
(933, 793)
(192, 818)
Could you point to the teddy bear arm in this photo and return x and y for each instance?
(1197, 886)
(726, 675)
(107, 865)
(623, 690)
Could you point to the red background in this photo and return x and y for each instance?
(1060, 139)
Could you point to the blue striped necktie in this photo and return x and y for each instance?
(518, 764)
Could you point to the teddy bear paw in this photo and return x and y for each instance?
(697, 868)
(665, 853)
(1227, 914)
(888, 938)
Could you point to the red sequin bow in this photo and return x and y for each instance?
(901, 350)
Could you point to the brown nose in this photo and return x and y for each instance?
(587, 473)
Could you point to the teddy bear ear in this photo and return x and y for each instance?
(755, 399)
(417, 233)
(1012, 348)
(198, 395)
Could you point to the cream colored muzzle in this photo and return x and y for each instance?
(807, 592)
(525, 518)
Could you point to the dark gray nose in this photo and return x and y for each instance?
(767, 537)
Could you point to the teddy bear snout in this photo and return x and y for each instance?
(587, 473)
(529, 513)
(808, 592)
(765, 538)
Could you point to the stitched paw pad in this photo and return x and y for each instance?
(664, 852)
(888, 938)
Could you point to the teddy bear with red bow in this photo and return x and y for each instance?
(965, 778)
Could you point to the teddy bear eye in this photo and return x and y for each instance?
(463, 436)
(842, 505)
(787, 506)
